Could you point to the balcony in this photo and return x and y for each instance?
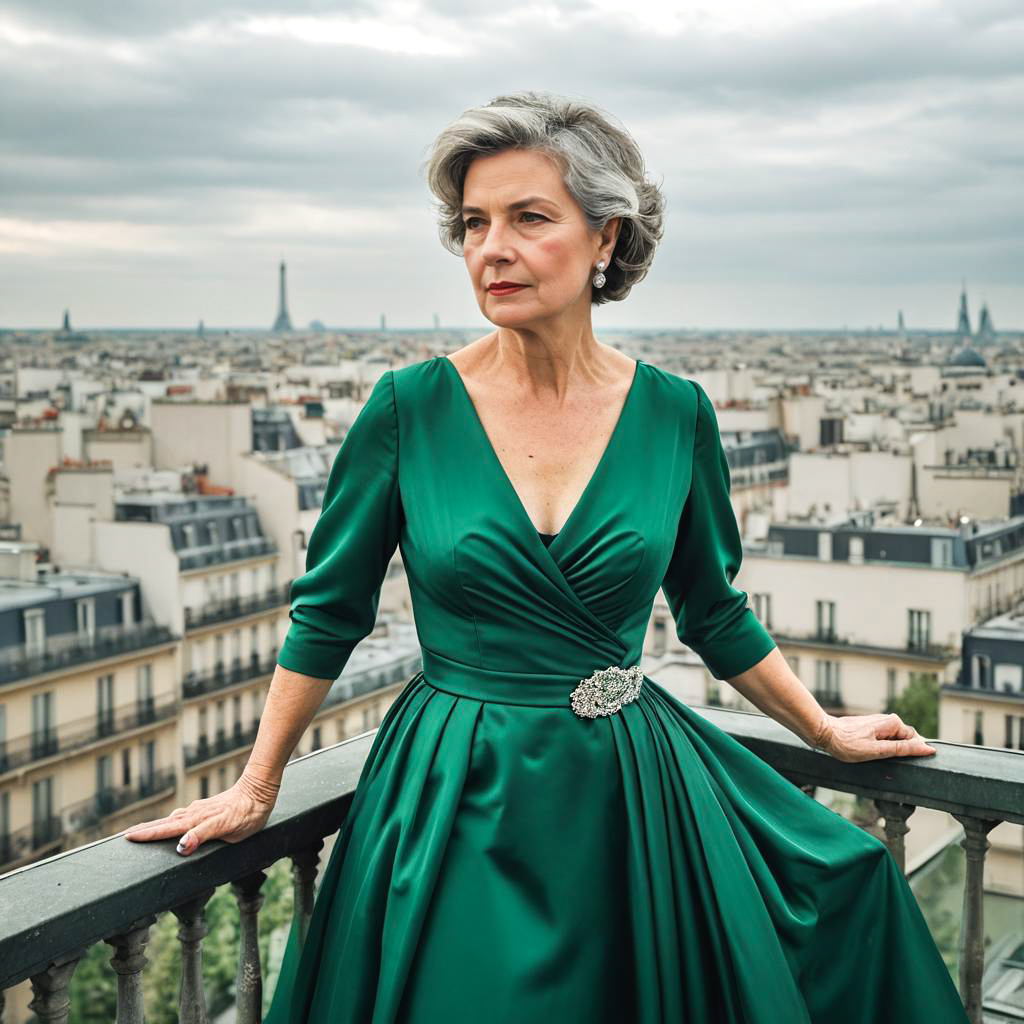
(111, 890)
(69, 652)
(937, 653)
(222, 743)
(78, 822)
(87, 814)
(228, 608)
(226, 551)
(82, 732)
(221, 676)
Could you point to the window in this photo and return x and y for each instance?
(942, 551)
(233, 585)
(189, 533)
(204, 786)
(825, 620)
(826, 681)
(44, 827)
(44, 729)
(213, 529)
(126, 767)
(105, 704)
(979, 729)
(919, 629)
(254, 643)
(1008, 739)
(316, 737)
(660, 634)
(236, 709)
(144, 685)
(147, 767)
(890, 684)
(762, 605)
(1007, 678)
(85, 609)
(104, 774)
(35, 632)
(238, 522)
(128, 608)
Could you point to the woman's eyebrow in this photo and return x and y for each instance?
(517, 205)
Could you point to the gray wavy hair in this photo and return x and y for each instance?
(601, 164)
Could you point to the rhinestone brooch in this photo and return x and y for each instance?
(604, 692)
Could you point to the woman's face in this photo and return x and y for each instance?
(522, 226)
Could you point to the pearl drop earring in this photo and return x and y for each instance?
(599, 277)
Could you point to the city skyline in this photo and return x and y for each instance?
(824, 165)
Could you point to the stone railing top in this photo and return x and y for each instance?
(68, 901)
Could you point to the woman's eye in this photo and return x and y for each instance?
(530, 213)
(470, 222)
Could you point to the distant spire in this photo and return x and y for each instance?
(986, 330)
(900, 325)
(963, 324)
(67, 321)
(283, 321)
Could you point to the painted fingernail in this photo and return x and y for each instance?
(183, 843)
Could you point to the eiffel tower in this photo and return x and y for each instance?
(283, 321)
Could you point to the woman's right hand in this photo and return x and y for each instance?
(233, 815)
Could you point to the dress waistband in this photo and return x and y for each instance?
(532, 689)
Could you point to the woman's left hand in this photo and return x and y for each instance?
(869, 737)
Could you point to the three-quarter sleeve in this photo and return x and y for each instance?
(711, 615)
(333, 605)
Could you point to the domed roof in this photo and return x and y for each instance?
(967, 356)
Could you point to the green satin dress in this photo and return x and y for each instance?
(509, 861)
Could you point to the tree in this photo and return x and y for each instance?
(918, 704)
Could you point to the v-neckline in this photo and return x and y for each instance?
(591, 483)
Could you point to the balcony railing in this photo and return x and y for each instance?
(70, 652)
(111, 890)
(221, 676)
(840, 642)
(235, 607)
(226, 551)
(81, 732)
(88, 813)
(77, 820)
(222, 743)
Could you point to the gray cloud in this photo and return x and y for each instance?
(876, 147)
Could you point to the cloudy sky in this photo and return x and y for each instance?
(825, 162)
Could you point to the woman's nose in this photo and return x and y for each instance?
(496, 243)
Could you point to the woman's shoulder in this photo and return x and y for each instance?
(681, 394)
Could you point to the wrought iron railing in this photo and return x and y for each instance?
(111, 890)
(221, 676)
(69, 652)
(81, 732)
(235, 607)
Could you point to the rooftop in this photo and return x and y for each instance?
(56, 586)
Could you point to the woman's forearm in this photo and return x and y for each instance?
(773, 687)
(292, 701)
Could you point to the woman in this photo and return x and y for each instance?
(541, 833)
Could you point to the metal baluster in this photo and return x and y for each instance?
(128, 961)
(192, 915)
(972, 953)
(249, 980)
(50, 999)
(304, 865)
(896, 827)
